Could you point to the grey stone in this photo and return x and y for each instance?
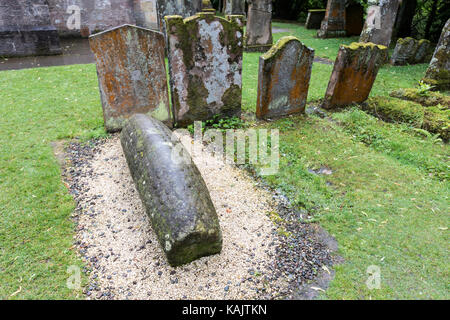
(258, 34)
(132, 74)
(380, 21)
(205, 65)
(409, 51)
(172, 190)
(26, 29)
(235, 7)
(283, 81)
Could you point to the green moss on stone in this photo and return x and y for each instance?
(427, 100)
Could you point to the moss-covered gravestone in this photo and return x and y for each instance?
(205, 63)
(438, 72)
(354, 73)
(131, 74)
(380, 21)
(409, 51)
(283, 81)
(172, 190)
(333, 25)
(258, 33)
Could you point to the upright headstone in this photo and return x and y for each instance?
(314, 19)
(235, 7)
(146, 13)
(25, 29)
(355, 70)
(380, 22)
(205, 64)
(183, 8)
(409, 51)
(333, 25)
(131, 74)
(283, 79)
(258, 34)
(438, 72)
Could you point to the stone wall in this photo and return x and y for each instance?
(25, 29)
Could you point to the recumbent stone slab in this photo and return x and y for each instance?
(283, 81)
(438, 72)
(172, 190)
(354, 73)
(258, 34)
(205, 64)
(131, 74)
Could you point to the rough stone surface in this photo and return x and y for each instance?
(238, 19)
(235, 7)
(132, 74)
(333, 25)
(354, 73)
(380, 22)
(409, 51)
(205, 63)
(438, 72)
(206, 4)
(25, 29)
(146, 13)
(258, 34)
(283, 82)
(314, 19)
(354, 19)
(183, 8)
(173, 192)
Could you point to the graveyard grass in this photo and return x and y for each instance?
(386, 201)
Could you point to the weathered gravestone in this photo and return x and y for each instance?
(131, 74)
(25, 29)
(238, 19)
(258, 34)
(314, 19)
(205, 64)
(380, 22)
(172, 190)
(409, 51)
(333, 25)
(283, 80)
(354, 73)
(183, 8)
(438, 72)
(146, 13)
(235, 7)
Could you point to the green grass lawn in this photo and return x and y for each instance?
(386, 202)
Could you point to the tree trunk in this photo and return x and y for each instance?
(405, 18)
(431, 18)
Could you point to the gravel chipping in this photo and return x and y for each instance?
(268, 252)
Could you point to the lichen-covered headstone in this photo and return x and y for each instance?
(409, 51)
(438, 72)
(380, 21)
(131, 74)
(205, 64)
(355, 70)
(238, 19)
(258, 34)
(172, 191)
(314, 18)
(25, 29)
(283, 80)
(235, 7)
(333, 25)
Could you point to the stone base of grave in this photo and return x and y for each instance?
(260, 48)
(29, 41)
(331, 34)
